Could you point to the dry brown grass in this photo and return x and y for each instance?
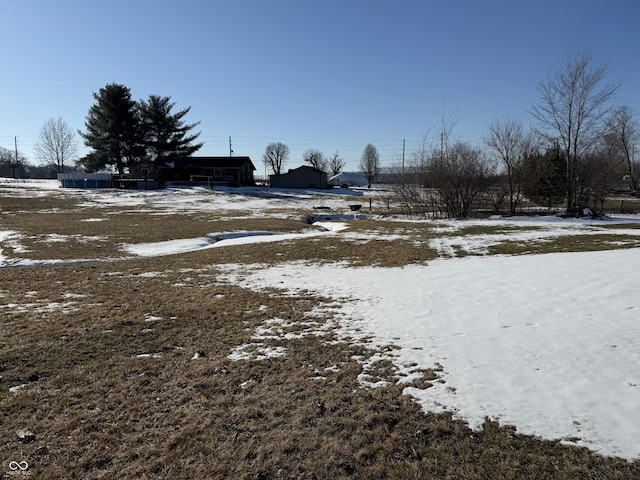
(575, 243)
(95, 408)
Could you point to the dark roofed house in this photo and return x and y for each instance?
(301, 177)
(206, 170)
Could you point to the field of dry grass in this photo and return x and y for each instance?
(123, 367)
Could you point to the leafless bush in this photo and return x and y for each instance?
(458, 179)
(449, 182)
(408, 189)
(499, 193)
(511, 143)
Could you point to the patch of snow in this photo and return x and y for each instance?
(58, 238)
(547, 343)
(149, 355)
(332, 226)
(151, 275)
(255, 351)
(73, 295)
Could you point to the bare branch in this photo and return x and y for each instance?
(57, 144)
(315, 158)
(571, 109)
(275, 156)
(370, 163)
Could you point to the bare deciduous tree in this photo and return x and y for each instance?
(625, 133)
(571, 109)
(5, 156)
(275, 156)
(6, 161)
(598, 172)
(315, 158)
(12, 161)
(335, 164)
(57, 144)
(508, 139)
(370, 163)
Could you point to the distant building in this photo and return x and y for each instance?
(209, 170)
(150, 174)
(301, 177)
(198, 170)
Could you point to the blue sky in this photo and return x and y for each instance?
(332, 75)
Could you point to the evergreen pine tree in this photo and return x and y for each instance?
(545, 177)
(113, 130)
(165, 134)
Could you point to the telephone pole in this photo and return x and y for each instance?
(15, 163)
(230, 149)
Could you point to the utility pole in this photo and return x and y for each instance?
(230, 149)
(403, 140)
(15, 164)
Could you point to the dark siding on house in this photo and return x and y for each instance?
(211, 170)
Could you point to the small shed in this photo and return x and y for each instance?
(301, 177)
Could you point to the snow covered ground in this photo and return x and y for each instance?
(548, 343)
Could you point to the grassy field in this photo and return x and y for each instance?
(123, 367)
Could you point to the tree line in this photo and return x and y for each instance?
(119, 132)
(277, 153)
(581, 148)
(578, 150)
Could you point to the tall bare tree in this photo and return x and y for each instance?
(275, 156)
(625, 132)
(57, 144)
(370, 163)
(336, 164)
(571, 109)
(509, 140)
(315, 158)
